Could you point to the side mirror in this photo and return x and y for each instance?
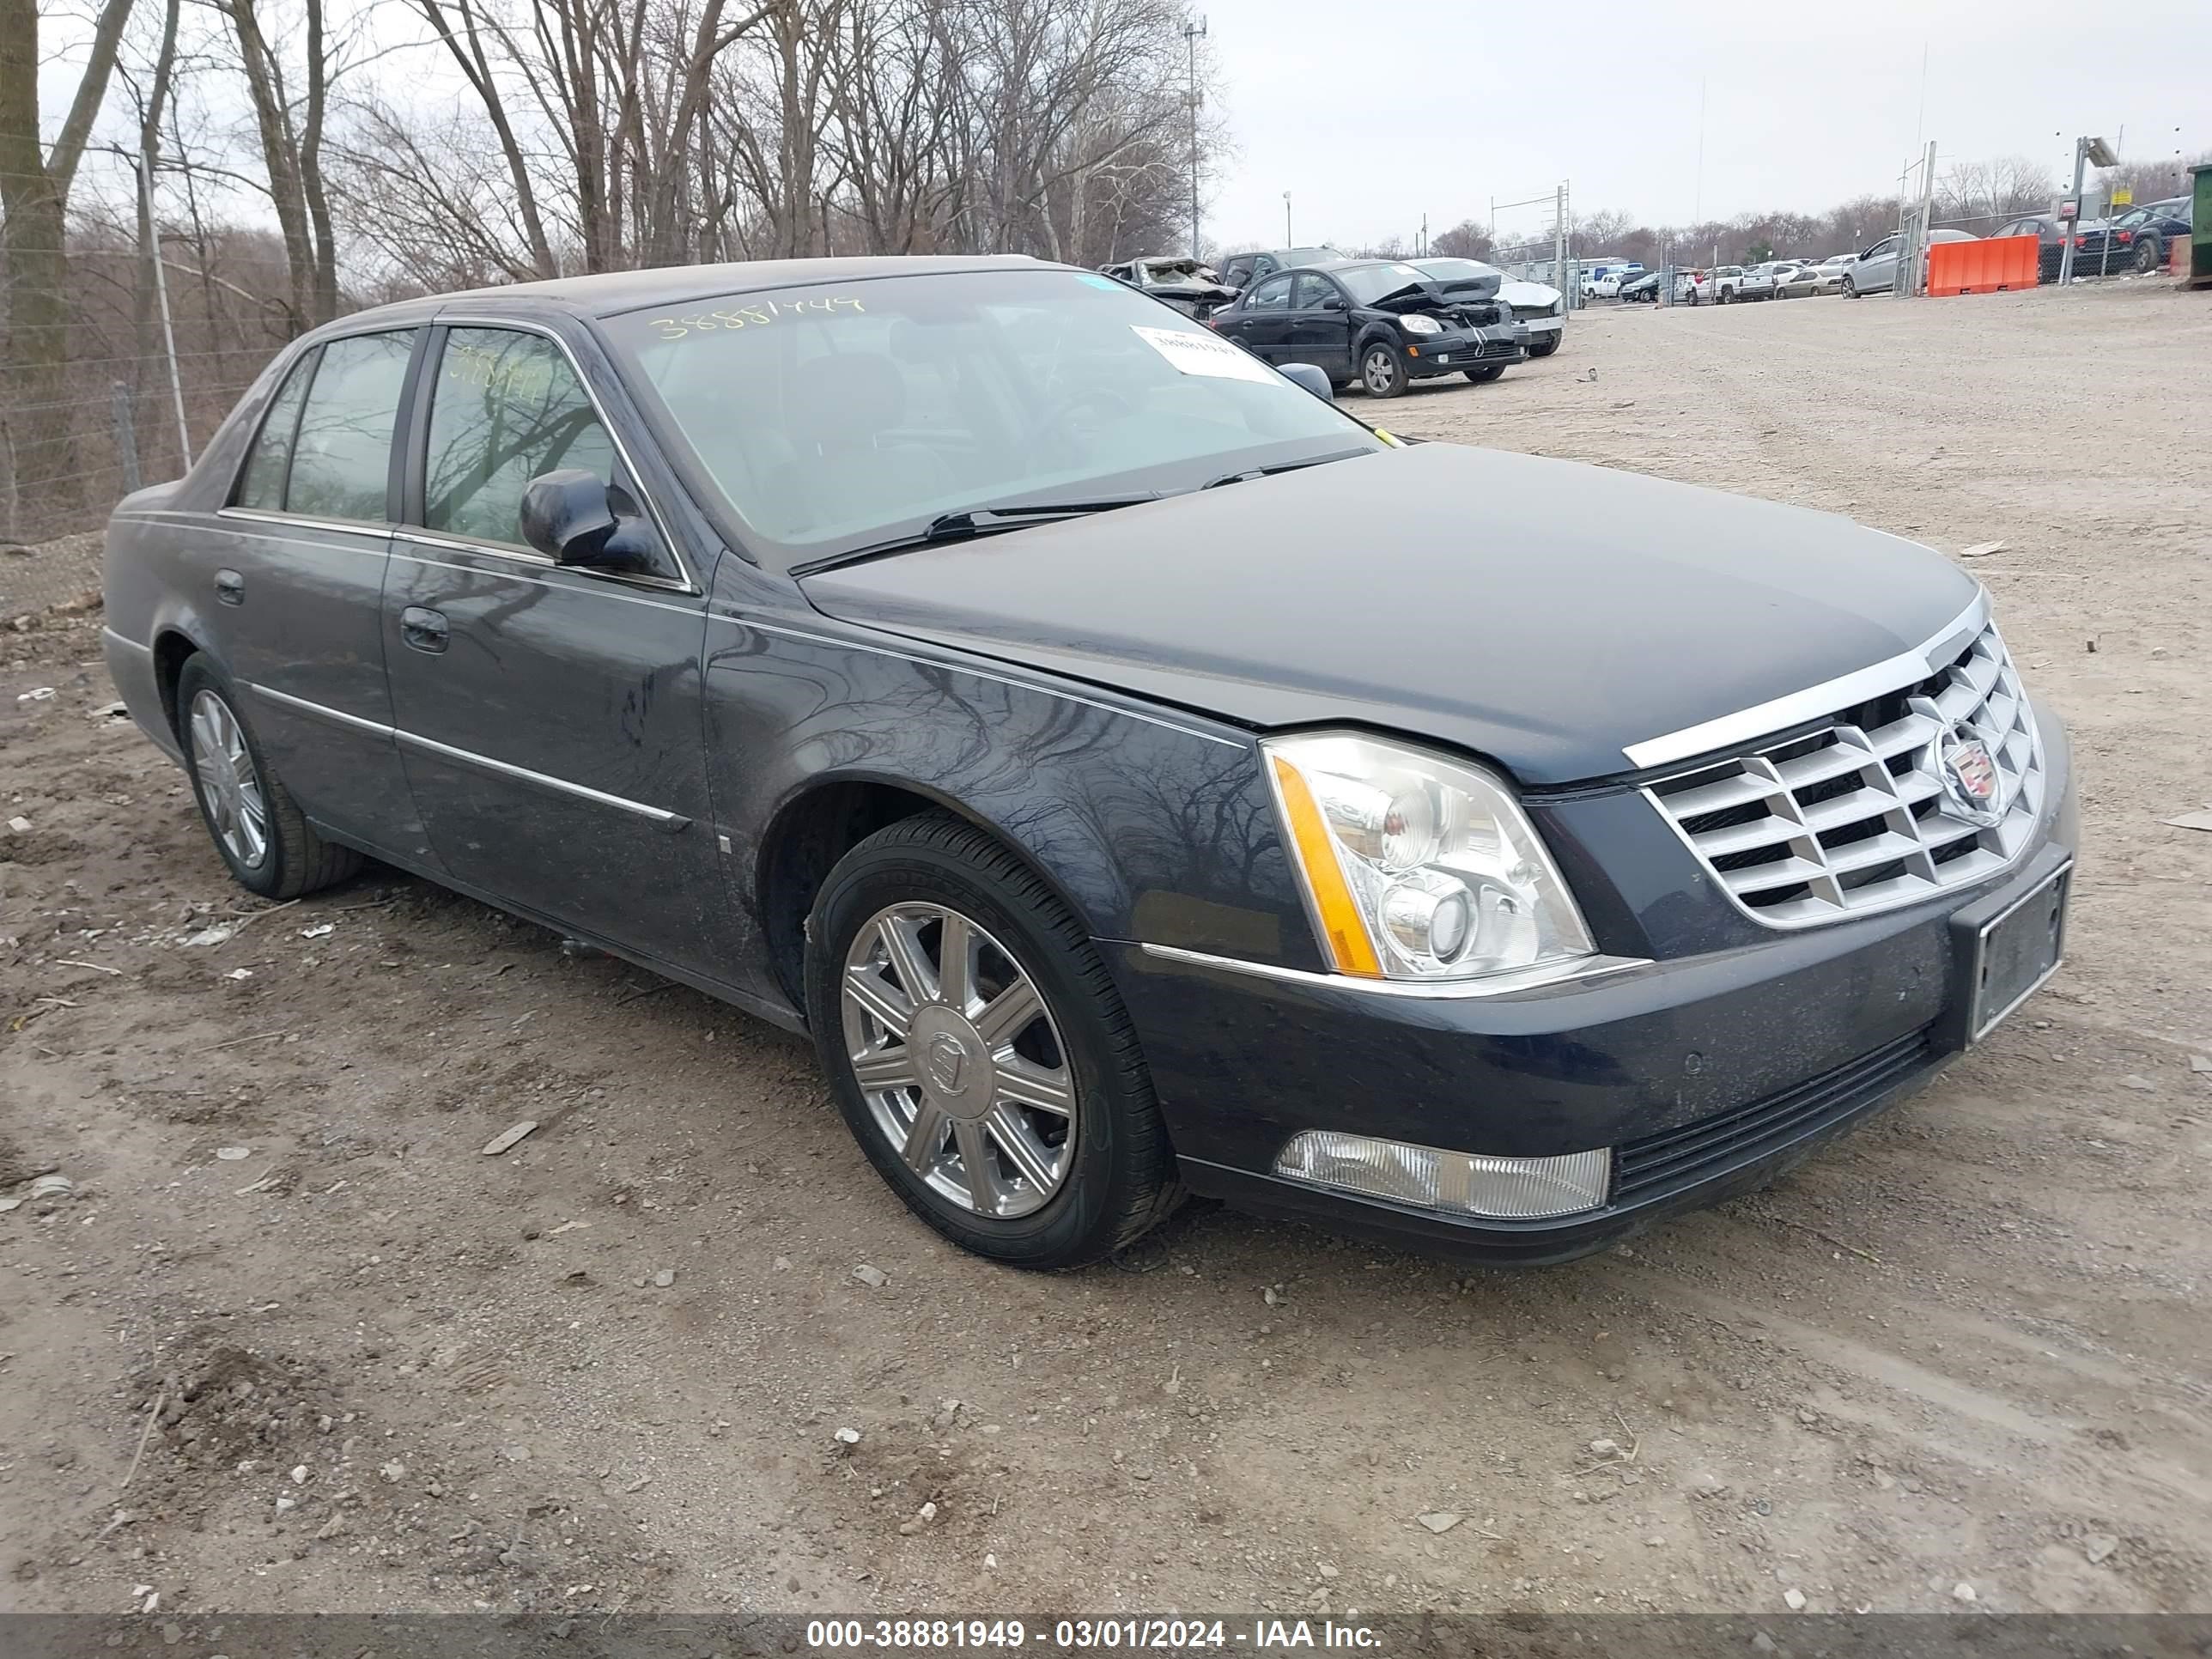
(1334, 302)
(1312, 379)
(574, 518)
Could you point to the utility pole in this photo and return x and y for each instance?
(169, 329)
(1287, 242)
(2086, 150)
(1192, 35)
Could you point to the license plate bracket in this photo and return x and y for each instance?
(2010, 955)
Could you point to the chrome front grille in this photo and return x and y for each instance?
(1866, 813)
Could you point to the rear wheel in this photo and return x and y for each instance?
(255, 825)
(1382, 371)
(979, 1052)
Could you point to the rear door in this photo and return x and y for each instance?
(303, 541)
(548, 716)
(1262, 321)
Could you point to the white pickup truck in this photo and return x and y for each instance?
(1723, 285)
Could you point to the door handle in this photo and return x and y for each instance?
(423, 631)
(229, 587)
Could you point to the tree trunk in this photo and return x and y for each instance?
(33, 217)
(280, 157)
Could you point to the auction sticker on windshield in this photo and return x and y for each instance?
(1204, 353)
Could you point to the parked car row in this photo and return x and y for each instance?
(1871, 270)
(1378, 324)
(2136, 240)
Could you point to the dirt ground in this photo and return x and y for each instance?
(1969, 1346)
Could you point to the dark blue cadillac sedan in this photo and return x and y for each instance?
(1140, 777)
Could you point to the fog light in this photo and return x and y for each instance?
(1468, 1183)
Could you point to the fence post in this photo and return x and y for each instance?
(126, 434)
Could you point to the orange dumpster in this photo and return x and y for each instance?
(1990, 265)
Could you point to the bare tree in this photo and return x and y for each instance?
(1465, 240)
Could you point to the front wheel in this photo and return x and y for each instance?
(1382, 371)
(1850, 289)
(1546, 347)
(1486, 374)
(979, 1051)
(2148, 253)
(257, 827)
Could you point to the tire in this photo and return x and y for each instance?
(1486, 374)
(2149, 256)
(1109, 1177)
(268, 846)
(1850, 290)
(1547, 347)
(1383, 370)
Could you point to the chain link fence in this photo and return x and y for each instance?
(98, 398)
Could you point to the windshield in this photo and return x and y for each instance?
(841, 415)
(1369, 283)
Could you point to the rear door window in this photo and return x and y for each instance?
(342, 459)
(262, 483)
(506, 407)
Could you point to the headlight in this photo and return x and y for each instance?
(1418, 324)
(1416, 866)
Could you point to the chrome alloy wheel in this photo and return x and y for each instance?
(1379, 372)
(958, 1059)
(229, 783)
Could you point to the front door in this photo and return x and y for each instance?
(549, 717)
(1319, 325)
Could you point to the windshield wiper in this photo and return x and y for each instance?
(1244, 472)
(974, 521)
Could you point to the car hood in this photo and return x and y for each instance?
(1529, 293)
(1544, 614)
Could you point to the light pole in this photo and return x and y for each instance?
(1286, 220)
(1192, 35)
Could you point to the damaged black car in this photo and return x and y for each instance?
(1378, 322)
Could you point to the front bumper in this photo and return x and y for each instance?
(1541, 328)
(1454, 351)
(1708, 1074)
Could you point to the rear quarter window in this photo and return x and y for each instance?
(262, 483)
(342, 458)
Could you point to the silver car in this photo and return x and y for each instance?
(1874, 270)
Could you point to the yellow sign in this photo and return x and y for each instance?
(2122, 196)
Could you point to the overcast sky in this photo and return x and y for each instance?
(1353, 108)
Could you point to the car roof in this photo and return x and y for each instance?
(608, 293)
